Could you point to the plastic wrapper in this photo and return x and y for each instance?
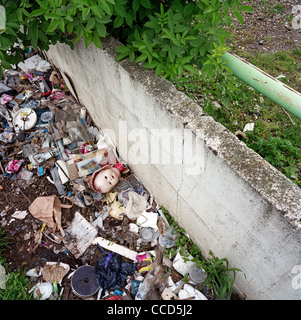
(7, 137)
(13, 166)
(5, 98)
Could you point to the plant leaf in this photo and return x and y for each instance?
(146, 4)
(97, 40)
(246, 9)
(53, 25)
(239, 17)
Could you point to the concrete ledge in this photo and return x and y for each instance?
(228, 199)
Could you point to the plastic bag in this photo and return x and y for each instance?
(111, 271)
(135, 206)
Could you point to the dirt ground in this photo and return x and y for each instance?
(271, 27)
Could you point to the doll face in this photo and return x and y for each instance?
(106, 180)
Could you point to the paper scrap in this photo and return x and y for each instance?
(20, 214)
(79, 235)
(147, 219)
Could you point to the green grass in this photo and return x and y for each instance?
(16, 283)
(269, 7)
(277, 134)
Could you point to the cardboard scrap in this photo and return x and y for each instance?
(84, 164)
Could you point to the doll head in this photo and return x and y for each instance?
(105, 179)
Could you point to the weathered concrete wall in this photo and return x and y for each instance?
(228, 199)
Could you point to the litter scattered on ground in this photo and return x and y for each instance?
(249, 127)
(78, 237)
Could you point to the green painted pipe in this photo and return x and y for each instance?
(272, 88)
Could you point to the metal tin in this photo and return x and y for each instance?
(84, 283)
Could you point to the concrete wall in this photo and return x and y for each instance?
(228, 199)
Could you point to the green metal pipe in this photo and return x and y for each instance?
(272, 88)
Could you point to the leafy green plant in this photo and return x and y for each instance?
(17, 284)
(183, 36)
(168, 36)
(279, 152)
(220, 277)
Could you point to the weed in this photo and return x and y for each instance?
(278, 8)
(277, 135)
(269, 8)
(279, 152)
(220, 277)
(17, 284)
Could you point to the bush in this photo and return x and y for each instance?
(169, 36)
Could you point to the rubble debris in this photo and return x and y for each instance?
(35, 272)
(116, 248)
(189, 292)
(20, 214)
(168, 238)
(83, 238)
(42, 290)
(249, 127)
(136, 204)
(147, 220)
(182, 265)
(35, 62)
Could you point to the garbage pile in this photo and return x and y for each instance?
(92, 228)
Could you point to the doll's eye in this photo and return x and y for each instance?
(106, 177)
